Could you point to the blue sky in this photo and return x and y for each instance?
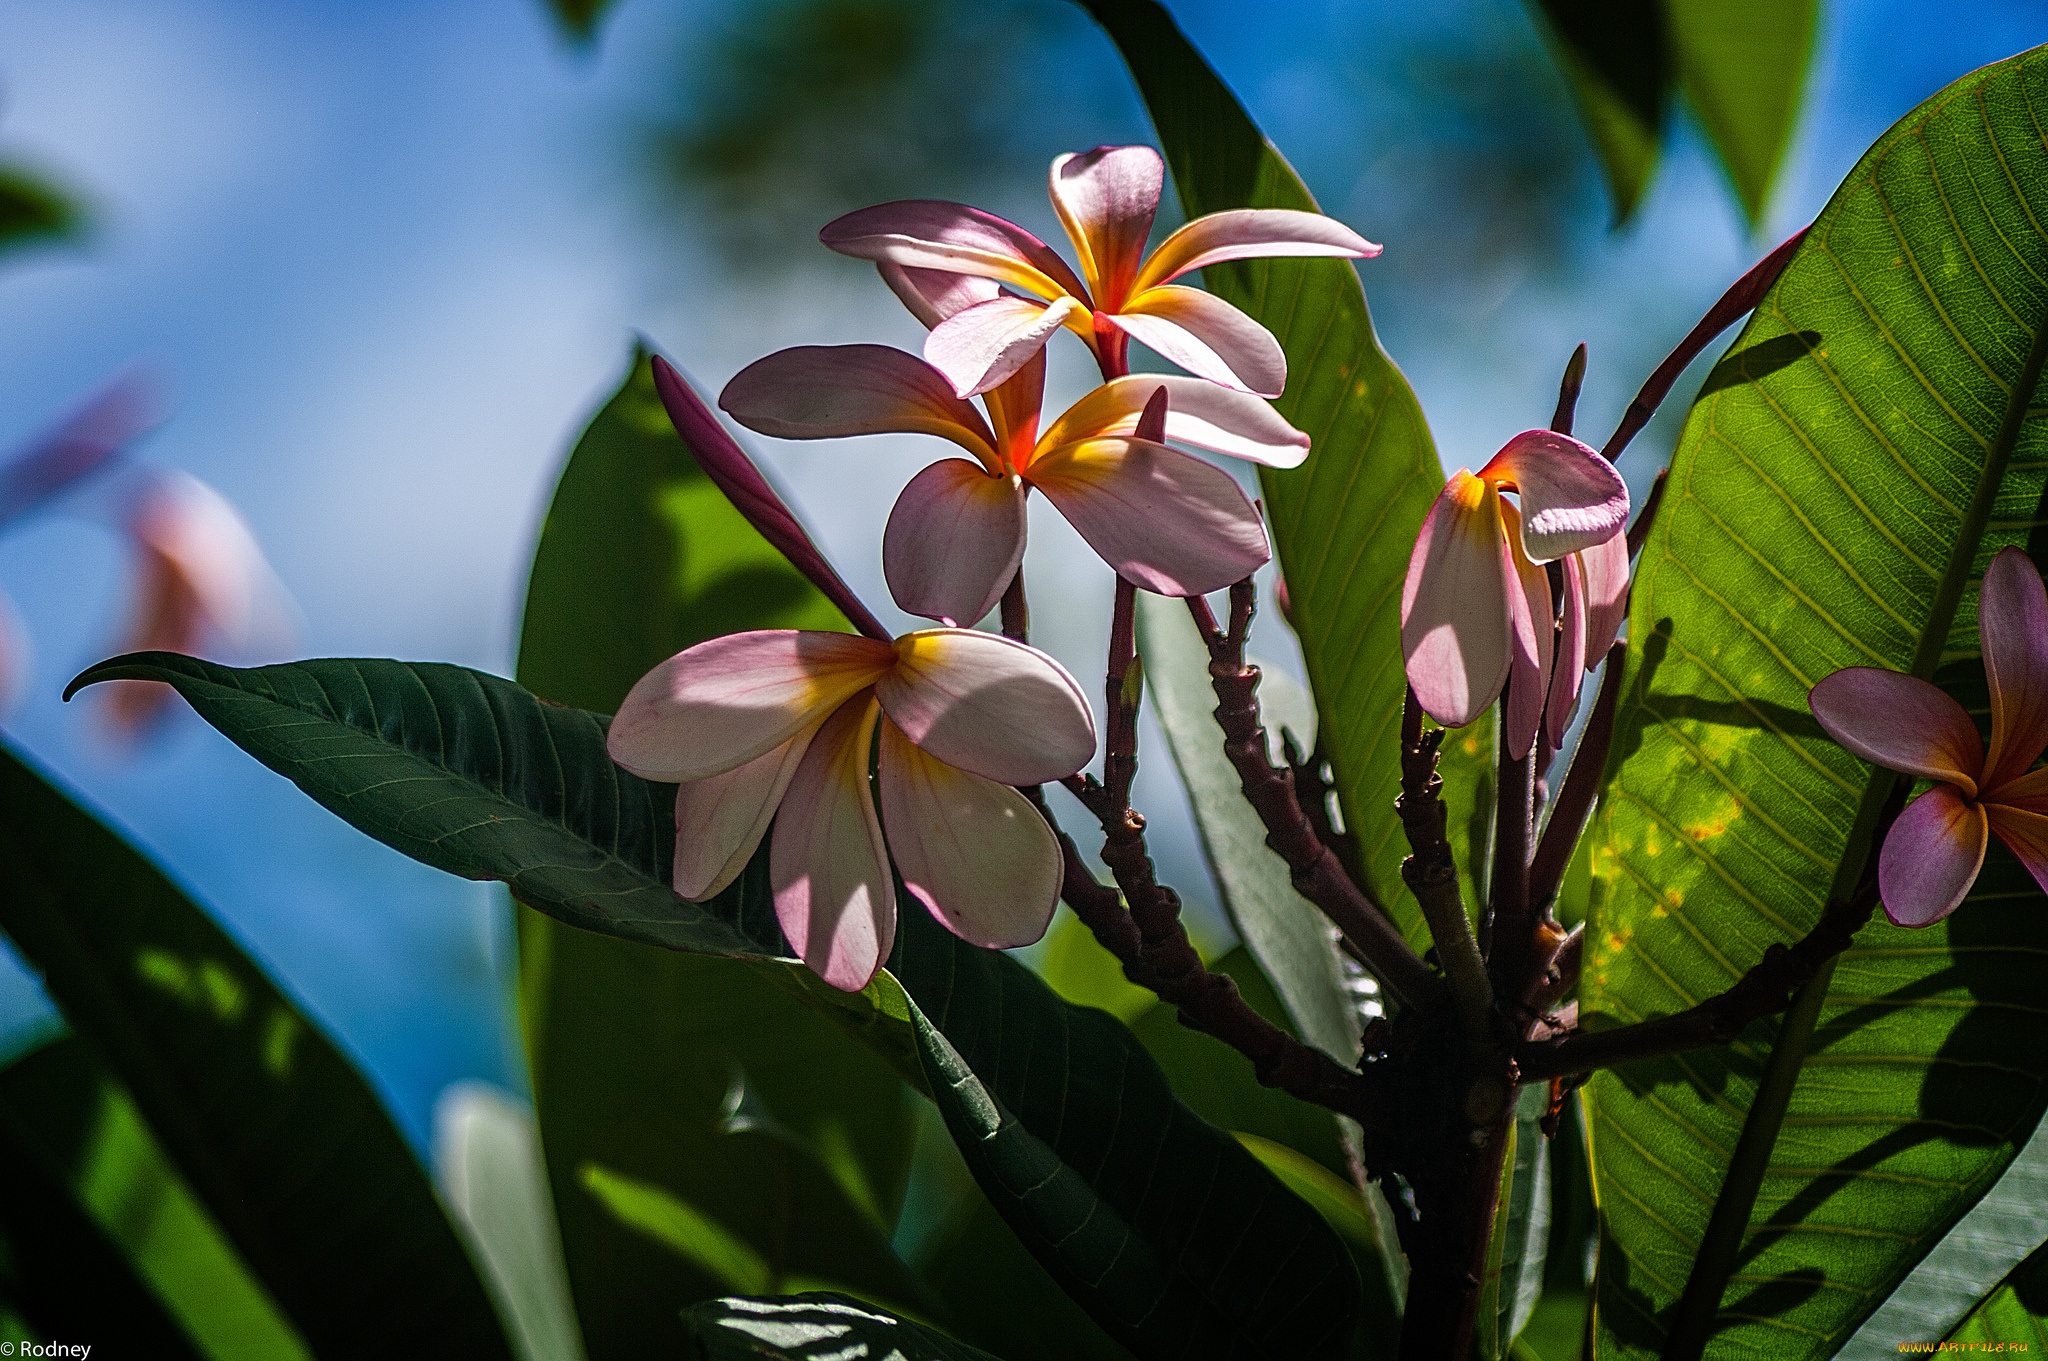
(388, 257)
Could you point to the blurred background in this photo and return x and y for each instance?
(387, 259)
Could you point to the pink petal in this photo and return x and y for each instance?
(1206, 336)
(1456, 637)
(980, 347)
(1572, 498)
(1013, 406)
(932, 295)
(989, 705)
(2020, 817)
(828, 864)
(1106, 199)
(84, 442)
(1198, 412)
(1568, 667)
(1163, 519)
(1605, 566)
(1900, 723)
(829, 391)
(1931, 857)
(929, 234)
(974, 852)
(1251, 233)
(1532, 616)
(2012, 620)
(953, 542)
(721, 820)
(724, 702)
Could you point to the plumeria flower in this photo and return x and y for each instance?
(1106, 199)
(787, 725)
(1477, 612)
(779, 725)
(1165, 520)
(1933, 852)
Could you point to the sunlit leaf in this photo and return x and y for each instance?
(815, 1326)
(2014, 1316)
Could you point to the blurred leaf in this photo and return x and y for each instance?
(1074, 965)
(1284, 932)
(1992, 1239)
(487, 1160)
(815, 1326)
(634, 1052)
(2014, 1316)
(579, 18)
(1355, 1220)
(1521, 1229)
(63, 1274)
(63, 1109)
(1616, 57)
(1815, 503)
(1345, 521)
(277, 1133)
(33, 213)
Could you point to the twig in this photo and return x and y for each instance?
(1508, 921)
(1314, 868)
(1581, 784)
(1647, 516)
(1016, 610)
(1432, 875)
(1568, 390)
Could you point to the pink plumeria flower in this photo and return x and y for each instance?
(1165, 520)
(1476, 608)
(778, 726)
(1106, 199)
(1933, 853)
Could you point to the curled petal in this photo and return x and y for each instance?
(721, 820)
(828, 864)
(1456, 637)
(1568, 667)
(932, 295)
(1106, 199)
(989, 705)
(827, 391)
(1900, 723)
(1206, 336)
(1198, 412)
(1605, 567)
(1530, 616)
(930, 234)
(982, 346)
(2021, 821)
(2012, 620)
(1251, 233)
(1163, 519)
(1572, 498)
(724, 702)
(974, 852)
(953, 541)
(1931, 857)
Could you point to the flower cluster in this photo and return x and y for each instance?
(882, 759)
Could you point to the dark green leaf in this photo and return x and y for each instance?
(1814, 504)
(32, 212)
(579, 18)
(1743, 68)
(1345, 521)
(276, 1132)
(635, 1051)
(1521, 1229)
(59, 1270)
(815, 1326)
(2014, 1316)
(1616, 56)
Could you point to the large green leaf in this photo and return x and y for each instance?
(633, 1051)
(1345, 521)
(276, 1132)
(1177, 1240)
(815, 1326)
(1521, 1229)
(1815, 501)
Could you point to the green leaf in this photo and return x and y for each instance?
(277, 1133)
(815, 1326)
(1999, 1232)
(1816, 497)
(59, 1270)
(1345, 521)
(2013, 1317)
(1616, 56)
(1521, 1229)
(579, 19)
(1288, 937)
(634, 1052)
(62, 1109)
(1743, 68)
(34, 213)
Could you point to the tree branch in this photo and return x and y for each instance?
(1431, 874)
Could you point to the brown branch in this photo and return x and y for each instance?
(1431, 874)
(1016, 610)
(1581, 785)
(1316, 873)
(1508, 921)
(1568, 390)
(1312, 793)
(1647, 516)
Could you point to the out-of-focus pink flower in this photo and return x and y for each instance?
(1476, 608)
(1106, 199)
(1934, 851)
(1165, 520)
(833, 738)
